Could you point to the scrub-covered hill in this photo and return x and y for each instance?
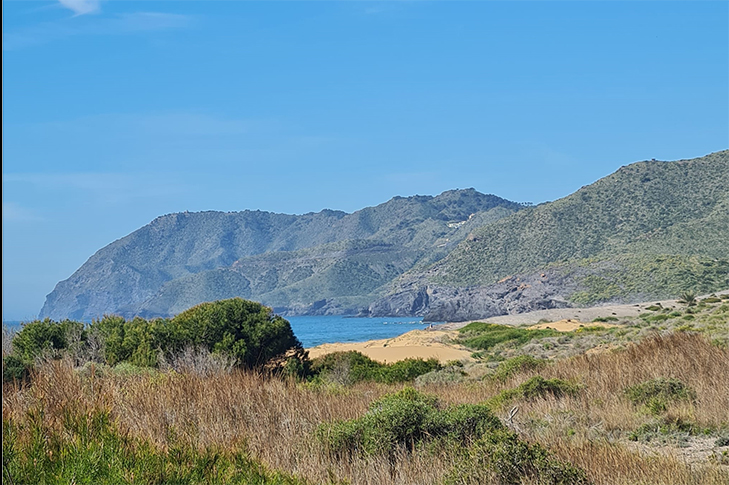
(651, 229)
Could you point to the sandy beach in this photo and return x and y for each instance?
(437, 342)
(425, 344)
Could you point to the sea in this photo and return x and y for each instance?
(313, 331)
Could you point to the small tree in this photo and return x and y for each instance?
(245, 330)
(687, 298)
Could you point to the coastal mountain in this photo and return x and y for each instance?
(324, 262)
(652, 229)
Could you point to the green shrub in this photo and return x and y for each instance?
(657, 394)
(536, 387)
(14, 369)
(664, 431)
(245, 330)
(41, 337)
(407, 370)
(711, 299)
(517, 365)
(605, 319)
(654, 308)
(447, 375)
(591, 329)
(136, 341)
(687, 298)
(483, 336)
(501, 457)
(662, 317)
(405, 421)
(350, 367)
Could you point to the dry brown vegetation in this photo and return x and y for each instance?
(275, 419)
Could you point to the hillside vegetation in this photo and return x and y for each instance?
(650, 230)
(646, 208)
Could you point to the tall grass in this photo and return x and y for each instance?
(274, 421)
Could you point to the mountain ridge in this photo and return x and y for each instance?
(650, 229)
(120, 277)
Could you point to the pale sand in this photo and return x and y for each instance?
(423, 344)
(627, 311)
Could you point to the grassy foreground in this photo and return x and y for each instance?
(653, 413)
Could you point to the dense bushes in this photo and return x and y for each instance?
(350, 367)
(405, 420)
(245, 331)
(481, 447)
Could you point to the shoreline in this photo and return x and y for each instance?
(436, 340)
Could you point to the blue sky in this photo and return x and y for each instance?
(115, 112)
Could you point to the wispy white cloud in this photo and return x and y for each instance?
(14, 212)
(120, 24)
(81, 7)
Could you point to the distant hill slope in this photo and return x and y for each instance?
(321, 261)
(650, 229)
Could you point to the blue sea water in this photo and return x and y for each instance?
(313, 331)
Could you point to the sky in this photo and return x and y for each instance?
(116, 112)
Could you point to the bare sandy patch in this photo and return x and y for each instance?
(423, 344)
(625, 311)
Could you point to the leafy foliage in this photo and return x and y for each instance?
(483, 336)
(517, 365)
(350, 367)
(244, 331)
(656, 394)
(45, 336)
(406, 420)
(664, 430)
(501, 457)
(536, 387)
(479, 444)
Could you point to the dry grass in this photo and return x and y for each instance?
(276, 419)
